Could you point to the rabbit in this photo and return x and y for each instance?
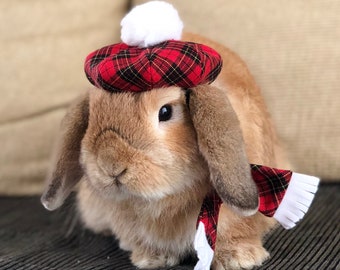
(143, 163)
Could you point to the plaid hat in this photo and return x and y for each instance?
(121, 67)
(151, 55)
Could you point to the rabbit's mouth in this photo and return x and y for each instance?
(117, 182)
(117, 178)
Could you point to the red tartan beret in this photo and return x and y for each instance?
(121, 67)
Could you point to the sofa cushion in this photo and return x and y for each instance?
(43, 47)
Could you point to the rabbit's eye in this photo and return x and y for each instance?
(165, 113)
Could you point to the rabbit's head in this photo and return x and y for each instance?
(141, 144)
(153, 144)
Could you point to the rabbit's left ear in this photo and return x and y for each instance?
(220, 142)
(66, 170)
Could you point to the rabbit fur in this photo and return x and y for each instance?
(144, 181)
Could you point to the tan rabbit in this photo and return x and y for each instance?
(145, 161)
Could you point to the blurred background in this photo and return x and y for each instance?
(291, 47)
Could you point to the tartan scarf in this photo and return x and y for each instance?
(283, 194)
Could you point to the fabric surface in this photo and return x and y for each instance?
(43, 45)
(209, 217)
(33, 238)
(120, 67)
(272, 185)
(292, 49)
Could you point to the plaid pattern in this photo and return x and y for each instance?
(272, 185)
(209, 217)
(120, 67)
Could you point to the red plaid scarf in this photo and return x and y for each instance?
(283, 194)
(209, 217)
(272, 185)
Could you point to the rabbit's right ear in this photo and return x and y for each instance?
(66, 171)
(220, 141)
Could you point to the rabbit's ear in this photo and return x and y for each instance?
(221, 143)
(66, 171)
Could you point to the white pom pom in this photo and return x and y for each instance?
(150, 24)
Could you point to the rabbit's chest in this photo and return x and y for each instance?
(164, 229)
(135, 223)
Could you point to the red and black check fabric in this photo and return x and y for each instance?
(271, 184)
(120, 67)
(209, 217)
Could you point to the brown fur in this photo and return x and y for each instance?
(220, 142)
(66, 170)
(144, 180)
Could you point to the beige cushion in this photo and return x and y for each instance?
(292, 49)
(290, 46)
(43, 44)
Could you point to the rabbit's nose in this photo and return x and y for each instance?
(118, 173)
(115, 156)
(117, 176)
(114, 169)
